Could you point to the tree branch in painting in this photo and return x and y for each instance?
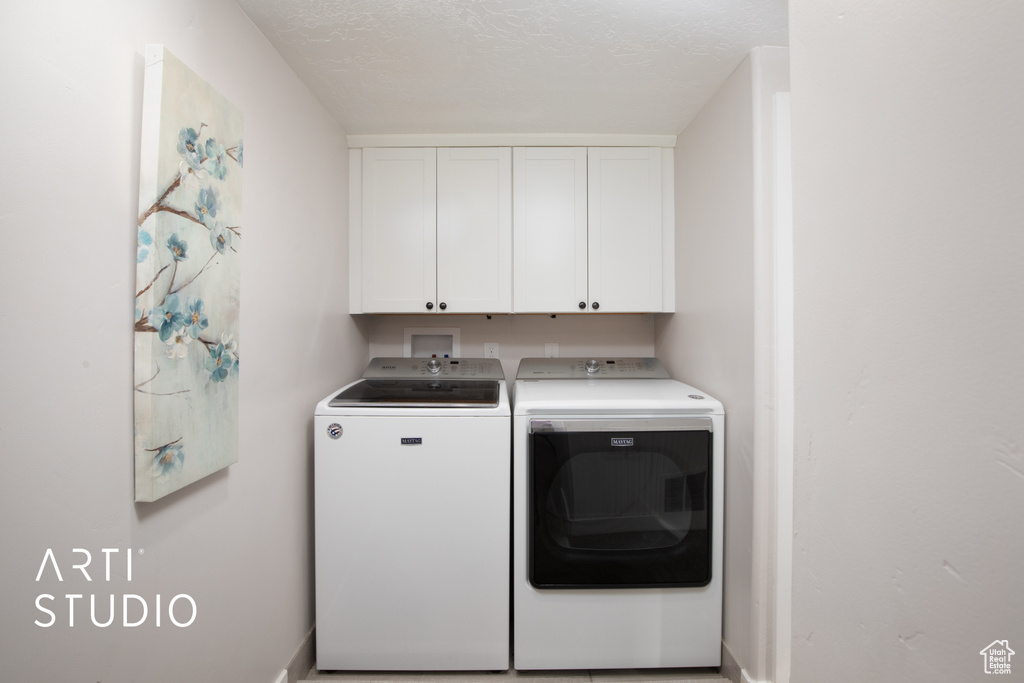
(176, 322)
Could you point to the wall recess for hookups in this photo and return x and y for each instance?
(425, 342)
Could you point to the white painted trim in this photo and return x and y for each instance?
(355, 231)
(511, 140)
(730, 667)
(745, 677)
(784, 390)
(668, 230)
(763, 465)
(302, 661)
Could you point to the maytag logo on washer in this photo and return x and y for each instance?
(411, 440)
(334, 430)
(618, 441)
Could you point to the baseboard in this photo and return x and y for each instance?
(732, 670)
(730, 667)
(302, 661)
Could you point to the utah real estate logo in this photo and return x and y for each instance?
(997, 657)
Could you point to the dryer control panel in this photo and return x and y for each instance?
(592, 368)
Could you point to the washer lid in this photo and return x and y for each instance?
(411, 393)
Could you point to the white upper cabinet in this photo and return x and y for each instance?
(624, 204)
(431, 230)
(497, 230)
(398, 264)
(474, 230)
(550, 219)
(593, 230)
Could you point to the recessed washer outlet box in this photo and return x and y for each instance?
(426, 342)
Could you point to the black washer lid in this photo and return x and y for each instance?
(412, 393)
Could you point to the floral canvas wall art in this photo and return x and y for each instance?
(187, 280)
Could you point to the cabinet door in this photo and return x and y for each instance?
(399, 198)
(625, 235)
(550, 229)
(474, 230)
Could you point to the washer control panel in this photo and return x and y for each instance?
(592, 368)
(449, 368)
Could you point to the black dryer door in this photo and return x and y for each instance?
(620, 503)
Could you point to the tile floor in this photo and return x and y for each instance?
(603, 676)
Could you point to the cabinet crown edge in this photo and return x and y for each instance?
(511, 140)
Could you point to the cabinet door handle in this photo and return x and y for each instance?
(595, 305)
(583, 304)
(430, 305)
(442, 305)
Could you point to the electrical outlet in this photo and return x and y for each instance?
(490, 349)
(550, 350)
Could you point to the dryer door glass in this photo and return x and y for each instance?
(620, 504)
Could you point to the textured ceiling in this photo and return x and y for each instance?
(516, 66)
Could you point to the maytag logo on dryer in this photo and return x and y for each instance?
(412, 440)
(622, 441)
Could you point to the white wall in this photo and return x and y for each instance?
(239, 542)
(719, 338)
(908, 169)
(524, 336)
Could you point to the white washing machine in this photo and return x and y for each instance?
(617, 519)
(412, 505)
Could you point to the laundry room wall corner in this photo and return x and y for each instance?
(720, 336)
(237, 543)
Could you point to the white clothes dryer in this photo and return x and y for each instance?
(411, 508)
(617, 519)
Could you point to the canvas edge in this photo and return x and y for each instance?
(152, 96)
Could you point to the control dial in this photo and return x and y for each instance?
(434, 366)
(592, 367)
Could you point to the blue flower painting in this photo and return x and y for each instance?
(220, 239)
(178, 248)
(219, 363)
(167, 317)
(145, 243)
(195, 320)
(206, 206)
(168, 459)
(187, 280)
(189, 148)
